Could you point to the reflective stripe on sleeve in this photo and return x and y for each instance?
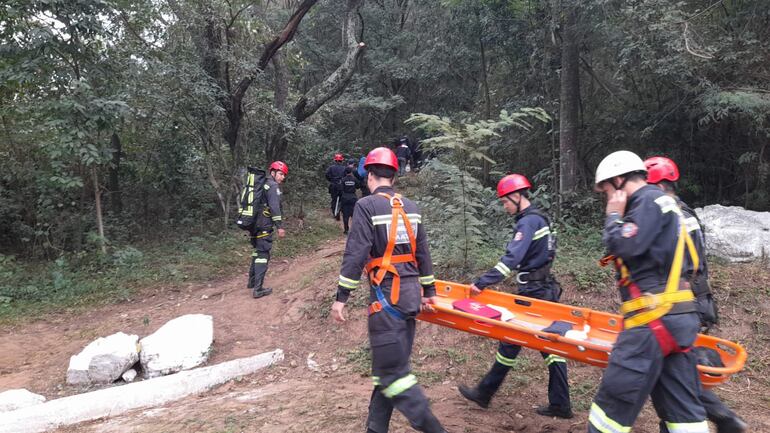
(500, 266)
(545, 231)
(348, 283)
(428, 279)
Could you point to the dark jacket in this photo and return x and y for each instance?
(531, 248)
(403, 152)
(349, 186)
(270, 215)
(368, 237)
(645, 239)
(335, 173)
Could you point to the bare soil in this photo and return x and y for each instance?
(291, 397)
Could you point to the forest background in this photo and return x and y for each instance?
(126, 126)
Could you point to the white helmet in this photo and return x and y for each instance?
(617, 164)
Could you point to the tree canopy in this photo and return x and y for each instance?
(121, 119)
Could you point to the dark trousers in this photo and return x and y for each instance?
(336, 197)
(401, 166)
(347, 212)
(637, 369)
(716, 411)
(558, 387)
(262, 243)
(395, 386)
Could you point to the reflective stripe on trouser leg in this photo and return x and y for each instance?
(391, 344)
(259, 261)
(633, 370)
(676, 396)
(687, 427)
(599, 421)
(558, 387)
(504, 358)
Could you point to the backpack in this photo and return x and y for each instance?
(252, 197)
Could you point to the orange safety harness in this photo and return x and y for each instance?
(379, 267)
(652, 307)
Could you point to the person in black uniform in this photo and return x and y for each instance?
(644, 235)
(530, 253)
(664, 173)
(348, 198)
(360, 174)
(334, 175)
(404, 154)
(269, 218)
(400, 275)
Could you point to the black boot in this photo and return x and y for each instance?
(488, 386)
(261, 292)
(474, 395)
(554, 411)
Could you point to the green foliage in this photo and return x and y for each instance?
(467, 139)
(466, 224)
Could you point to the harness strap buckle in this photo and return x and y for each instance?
(518, 277)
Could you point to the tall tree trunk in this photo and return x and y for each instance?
(275, 149)
(569, 100)
(335, 83)
(485, 165)
(116, 197)
(328, 89)
(98, 205)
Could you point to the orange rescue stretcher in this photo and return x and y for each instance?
(530, 316)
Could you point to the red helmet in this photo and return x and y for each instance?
(280, 166)
(660, 168)
(339, 157)
(512, 183)
(381, 156)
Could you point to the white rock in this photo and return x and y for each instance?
(116, 400)
(129, 376)
(311, 364)
(18, 398)
(181, 344)
(734, 233)
(103, 360)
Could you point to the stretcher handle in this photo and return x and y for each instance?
(738, 362)
(545, 335)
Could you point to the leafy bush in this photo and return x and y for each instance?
(466, 225)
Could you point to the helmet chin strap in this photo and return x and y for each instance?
(515, 203)
(622, 184)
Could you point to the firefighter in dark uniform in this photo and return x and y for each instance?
(334, 175)
(400, 275)
(664, 173)
(404, 154)
(268, 220)
(348, 198)
(646, 240)
(530, 254)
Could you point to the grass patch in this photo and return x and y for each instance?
(360, 359)
(76, 281)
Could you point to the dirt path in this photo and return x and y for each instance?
(291, 397)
